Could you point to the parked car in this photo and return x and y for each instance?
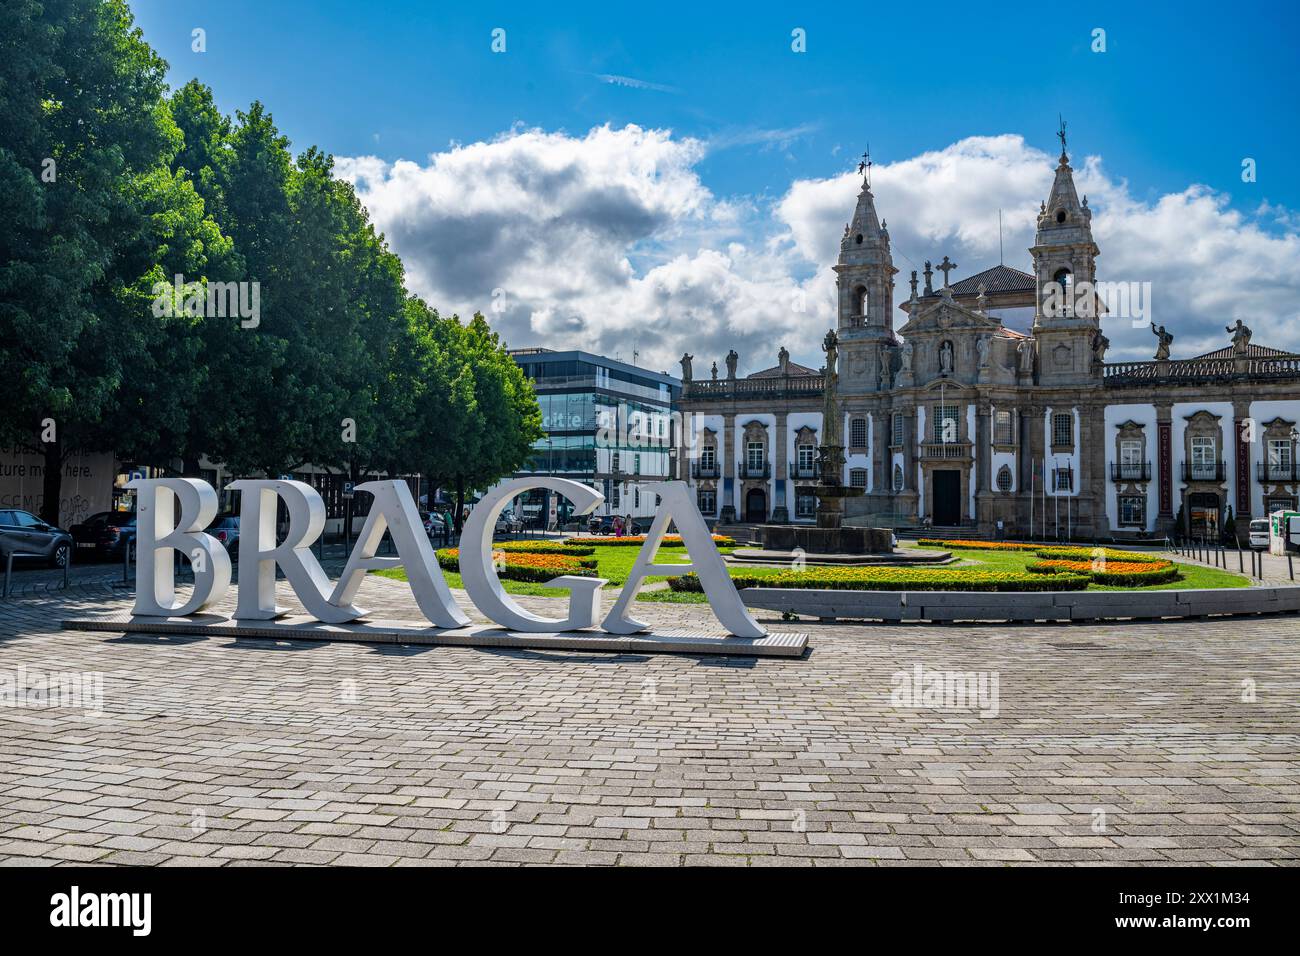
(225, 528)
(604, 524)
(106, 534)
(508, 523)
(21, 532)
(1259, 534)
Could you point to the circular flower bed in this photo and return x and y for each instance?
(899, 579)
(544, 547)
(670, 541)
(1096, 554)
(523, 566)
(1119, 573)
(978, 545)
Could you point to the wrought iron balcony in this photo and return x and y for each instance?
(1204, 471)
(699, 470)
(1267, 471)
(1130, 471)
(804, 471)
(750, 471)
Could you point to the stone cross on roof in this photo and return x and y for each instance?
(945, 267)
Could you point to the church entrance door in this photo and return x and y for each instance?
(755, 505)
(945, 497)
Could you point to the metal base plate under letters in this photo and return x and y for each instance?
(302, 628)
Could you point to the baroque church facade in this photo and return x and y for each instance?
(959, 419)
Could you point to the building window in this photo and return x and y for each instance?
(862, 300)
(1204, 460)
(1002, 428)
(807, 455)
(707, 500)
(1130, 458)
(707, 459)
(636, 464)
(1279, 459)
(897, 430)
(1064, 279)
(898, 477)
(945, 423)
(1279, 504)
(858, 433)
(615, 497)
(805, 505)
(1004, 478)
(858, 477)
(636, 496)
(1133, 510)
(1062, 479)
(754, 457)
(1062, 430)
(614, 463)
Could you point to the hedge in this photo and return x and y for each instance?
(527, 567)
(1119, 573)
(1092, 554)
(670, 541)
(978, 545)
(899, 579)
(544, 547)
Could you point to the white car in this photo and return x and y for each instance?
(508, 523)
(1259, 533)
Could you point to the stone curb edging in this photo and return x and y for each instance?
(401, 632)
(1026, 606)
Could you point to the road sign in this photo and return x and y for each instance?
(347, 489)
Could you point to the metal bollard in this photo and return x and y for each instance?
(1290, 568)
(1241, 560)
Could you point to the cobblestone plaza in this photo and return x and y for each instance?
(1136, 743)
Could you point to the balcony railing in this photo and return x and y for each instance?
(1204, 471)
(704, 471)
(804, 471)
(947, 451)
(752, 471)
(1267, 471)
(1130, 471)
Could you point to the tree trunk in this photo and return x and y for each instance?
(460, 501)
(52, 481)
(190, 468)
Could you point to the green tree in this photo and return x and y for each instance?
(85, 130)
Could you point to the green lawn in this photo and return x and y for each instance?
(615, 563)
(1190, 575)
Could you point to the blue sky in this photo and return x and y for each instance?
(1179, 97)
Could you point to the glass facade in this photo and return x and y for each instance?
(607, 424)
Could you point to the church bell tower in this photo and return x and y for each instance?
(865, 281)
(1068, 312)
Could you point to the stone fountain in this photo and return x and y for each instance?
(829, 536)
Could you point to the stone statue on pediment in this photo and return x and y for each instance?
(686, 366)
(945, 358)
(732, 360)
(906, 356)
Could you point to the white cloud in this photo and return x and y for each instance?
(611, 242)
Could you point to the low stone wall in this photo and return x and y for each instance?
(814, 540)
(1022, 605)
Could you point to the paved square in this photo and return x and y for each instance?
(1144, 743)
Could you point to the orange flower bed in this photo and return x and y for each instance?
(1121, 573)
(978, 545)
(526, 566)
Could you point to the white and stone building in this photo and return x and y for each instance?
(993, 402)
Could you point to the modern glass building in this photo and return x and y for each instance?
(608, 425)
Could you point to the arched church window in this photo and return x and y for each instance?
(861, 300)
(898, 477)
(1060, 215)
(1064, 280)
(1004, 478)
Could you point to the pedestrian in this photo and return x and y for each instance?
(618, 526)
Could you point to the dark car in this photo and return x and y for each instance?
(22, 533)
(225, 528)
(604, 524)
(106, 534)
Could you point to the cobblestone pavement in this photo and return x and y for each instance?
(1141, 744)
